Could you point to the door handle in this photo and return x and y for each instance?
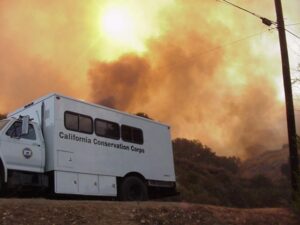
(35, 144)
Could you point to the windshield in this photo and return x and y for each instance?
(3, 123)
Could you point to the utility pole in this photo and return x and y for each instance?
(291, 125)
(292, 136)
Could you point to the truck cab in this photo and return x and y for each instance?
(22, 151)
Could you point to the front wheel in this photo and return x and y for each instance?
(133, 189)
(2, 184)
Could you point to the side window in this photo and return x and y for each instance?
(137, 136)
(132, 134)
(107, 129)
(15, 130)
(85, 124)
(71, 121)
(78, 122)
(31, 133)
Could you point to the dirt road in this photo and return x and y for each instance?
(77, 212)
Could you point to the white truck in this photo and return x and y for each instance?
(68, 146)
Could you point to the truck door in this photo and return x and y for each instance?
(23, 152)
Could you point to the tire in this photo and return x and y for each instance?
(133, 189)
(2, 184)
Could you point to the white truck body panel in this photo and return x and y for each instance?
(89, 164)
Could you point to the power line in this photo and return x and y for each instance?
(292, 24)
(236, 41)
(263, 19)
(236, 6)
(229, 43)
(295, 35)
(295, 41)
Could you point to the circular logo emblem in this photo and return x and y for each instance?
(27, 153)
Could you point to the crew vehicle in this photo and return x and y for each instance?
(68, 146)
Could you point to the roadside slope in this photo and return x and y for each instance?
(61, 212)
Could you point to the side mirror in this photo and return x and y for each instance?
(25, 125)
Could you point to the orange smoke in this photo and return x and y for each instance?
(177, 84)
(226, 98)
(193, 69)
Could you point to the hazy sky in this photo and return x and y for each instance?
(211, 71)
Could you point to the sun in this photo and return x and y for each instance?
(119, 26)
(125, 27)
(117, 23)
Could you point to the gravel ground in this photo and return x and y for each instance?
(65, 212)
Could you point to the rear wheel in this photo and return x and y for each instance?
(133, 189)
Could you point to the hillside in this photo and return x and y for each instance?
(204, 177)
(269, 164)
(59, 212)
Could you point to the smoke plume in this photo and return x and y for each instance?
(225, 97)
(209, 70)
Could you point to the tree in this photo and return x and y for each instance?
(296, 78)
(145, 115)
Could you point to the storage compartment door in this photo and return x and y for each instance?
(88, 184)
(66, 183)
(108, 186)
